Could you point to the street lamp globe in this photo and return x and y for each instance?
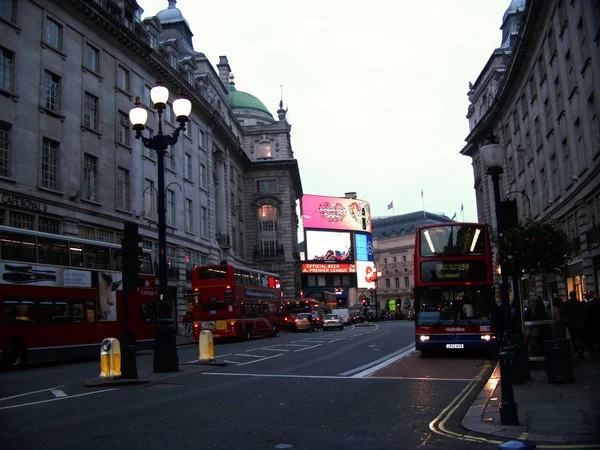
(138, 116)
(492, 155)
(159, 95)
(182, 108)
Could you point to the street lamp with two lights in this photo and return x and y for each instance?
(165, 346)
(492, 155)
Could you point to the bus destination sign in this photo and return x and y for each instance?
(453, 271)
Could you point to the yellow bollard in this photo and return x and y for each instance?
(206, 346)
(110, 358)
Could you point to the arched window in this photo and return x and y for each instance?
(264, 150)
(267, 230)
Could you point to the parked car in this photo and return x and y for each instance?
(332, 321)
(302, 322)
(356, 316)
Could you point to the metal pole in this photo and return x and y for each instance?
(508, 406)
(165, 345)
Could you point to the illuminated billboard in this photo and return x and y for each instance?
(328, 268)
(335, 213)
(365, 274)
(328, 246)
(363, 246)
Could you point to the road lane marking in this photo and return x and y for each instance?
(423, 378)
(257, 360)
(367, 372)
(273, 375)
(249, 355)
(307, 348)
(29, 393)
(377, 361)
(335, 340)
(56, 399)
(58, 393)
(266, 349)
(231, 362)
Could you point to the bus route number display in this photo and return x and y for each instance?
(453, 271)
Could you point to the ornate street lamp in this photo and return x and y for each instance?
(492, 155)
(165, 346)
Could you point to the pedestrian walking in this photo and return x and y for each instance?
(592, 322)
(574, 318)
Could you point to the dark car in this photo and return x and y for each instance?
(355, 317)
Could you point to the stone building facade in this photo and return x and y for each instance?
(70, 165)
(538, 95)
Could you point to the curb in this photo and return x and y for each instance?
(100, 382)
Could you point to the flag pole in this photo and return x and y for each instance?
(423, 201)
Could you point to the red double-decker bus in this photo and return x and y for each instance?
(236, 302)
(454, 292)
(61, 296)
(318, 308)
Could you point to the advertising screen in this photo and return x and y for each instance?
(335, 213)
(363, 245)
(328, 246)
(365, 274)
(328, 268)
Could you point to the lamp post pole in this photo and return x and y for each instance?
(492, 155)
(165, 345)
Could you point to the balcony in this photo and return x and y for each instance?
(593, 237)
(224, 240)
(269, 252)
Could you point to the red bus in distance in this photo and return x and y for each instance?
(304, 305)
(236, 302)
(61, 296)
(454, 288)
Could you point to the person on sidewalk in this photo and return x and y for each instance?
(559, 325)
(592, 322)
(574, 318)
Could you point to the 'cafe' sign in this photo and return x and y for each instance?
(23, 202)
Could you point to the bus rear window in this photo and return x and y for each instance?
(453, 240)
(212, 273)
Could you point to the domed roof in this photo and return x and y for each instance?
(515, 6)
(171, 14)
(243, 100)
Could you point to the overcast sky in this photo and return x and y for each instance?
(376, 91)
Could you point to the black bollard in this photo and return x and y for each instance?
(508, 406)
(128, 361)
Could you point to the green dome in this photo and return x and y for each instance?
(243, 100)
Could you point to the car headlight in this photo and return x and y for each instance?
(424, 337)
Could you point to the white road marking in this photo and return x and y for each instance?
(373, 363)
(335, 340)
(296, 345)
(29, 393)
(58, 393)
(267, 349)
(231, 362)
(367, 372)
(257, 360)
(56, 399)
(331, 377)
(306, 348)
(249, 355)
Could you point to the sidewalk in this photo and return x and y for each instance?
(566, 413)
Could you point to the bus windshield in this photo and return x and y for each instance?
(451, 306)
(452, 240)
(298, 306)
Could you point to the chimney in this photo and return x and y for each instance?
(351, 195)
(224, 71)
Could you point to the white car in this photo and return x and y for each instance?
(332, 321)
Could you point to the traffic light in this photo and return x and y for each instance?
(132, 255)
(397, 301)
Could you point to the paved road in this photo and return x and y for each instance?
(299, 390)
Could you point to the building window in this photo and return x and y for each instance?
(146, 100)
(5, 142)
(150, 152)
(406, 282)
(188, 166)
(87, 233)
(266, 186)
(50, 164)
(170, 158)
(123, 189)
(168, 113)
(123, 78)
(204, 220)
(264, 150)
(8, 10)
(123, 129)
(105, 236)
(189, 211)
(51, 91)
(267, 229)
(203, 177)
(397, 282)
(388, 283)
(21, 220)
(201, 139)
(149, 199)
(170, 208)
(7, 60)
(53, 33)
(91, 58)
(90, 114)
(404, 258)
(90, 177)
(48, 225)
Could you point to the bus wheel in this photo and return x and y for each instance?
(275, 330)
(248, 333)
(14, 355)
